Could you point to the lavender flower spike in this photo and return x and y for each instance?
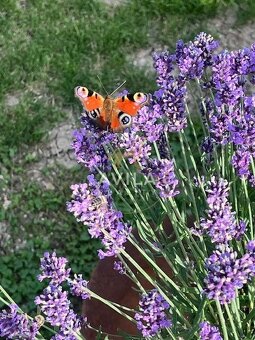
(54, 304)
(152, 318)
(194, 57)
(92, 205)
(220, 223)
(209, 332)
(78, 286)
(162, 172)
(14, 325)
(54, 268)
(226, 274)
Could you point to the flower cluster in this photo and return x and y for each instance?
(242, 136)
(227, 273)
(220, 223)
(14, 325)
(223, 277)
(137, 148)
(169, 103)
(162, 173)
(164, 65)
(149, 123)
(54, 268)
(152, 317)
(89, 146)
(209, 332)
(194, 57)
(54, 302)
(92, 205)
(233, 116)
(119, 267)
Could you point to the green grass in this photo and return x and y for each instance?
(47, 48)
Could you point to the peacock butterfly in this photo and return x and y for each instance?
(114, 114)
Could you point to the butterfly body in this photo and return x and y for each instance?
(110, 113)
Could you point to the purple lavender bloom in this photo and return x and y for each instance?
(250, 246)
(207, 145)
(152, 318)
(228, 82)
(240, 230)
(242, 132)
(73, 323)
(163, 147)
(173, 105)
(54, 268)
(225, 80)
(163, 64)
(136, 147)
(220, 223)
(92, 205)
(118, 266)
(89, 143)
(162, 172)
(54, 304)
(192, 58)
(14, 325)
(148, 122)
(241, 161)
(78, 286)
(224, 276)
(209, 332)
(227, 273)
(218, 121)
(249, 259)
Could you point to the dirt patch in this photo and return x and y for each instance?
(55, 149)
(142, 59)
(231, 36)
(12, 99)
(114, 3)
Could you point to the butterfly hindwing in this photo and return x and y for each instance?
(126, 107)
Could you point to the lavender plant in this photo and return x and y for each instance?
(189, 158)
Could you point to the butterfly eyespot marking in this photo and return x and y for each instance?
(125, 119)
(81, 92)
(94, 114)
(140, 97)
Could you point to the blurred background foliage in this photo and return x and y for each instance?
(46, 49)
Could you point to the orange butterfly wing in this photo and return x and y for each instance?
(89, 99)
(125, 108)
(131, 103)
(93, 104)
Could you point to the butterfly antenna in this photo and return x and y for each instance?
(102, 84)
(124, 82)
